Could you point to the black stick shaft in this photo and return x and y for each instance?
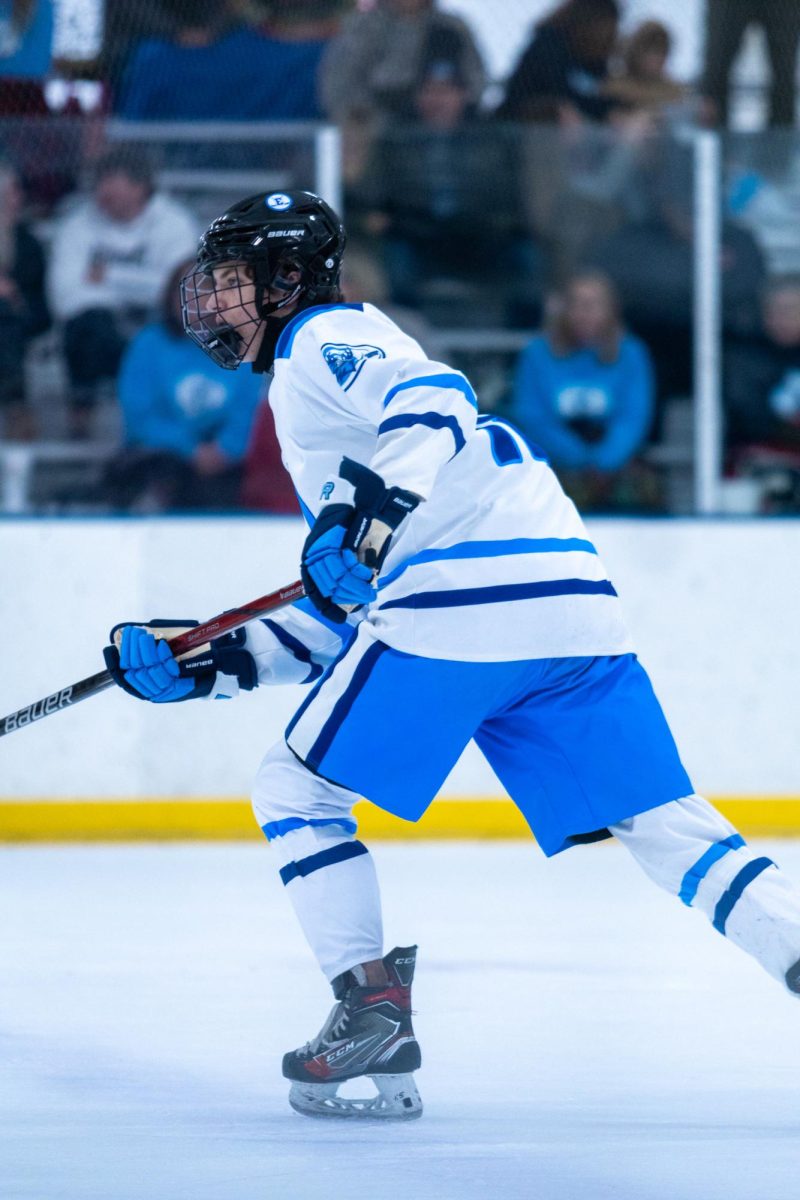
(94, 684)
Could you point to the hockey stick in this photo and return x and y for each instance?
(225, 623)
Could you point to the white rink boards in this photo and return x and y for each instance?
(711, 605)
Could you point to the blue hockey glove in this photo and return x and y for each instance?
(144, 666)
(348, 543)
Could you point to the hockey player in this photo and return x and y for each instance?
(452, 593)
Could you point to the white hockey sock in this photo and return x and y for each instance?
(689, 849)
(330, 879)
(329, 875)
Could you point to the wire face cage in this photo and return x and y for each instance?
(220, 313)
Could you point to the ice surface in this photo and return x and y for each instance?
(584, 1036)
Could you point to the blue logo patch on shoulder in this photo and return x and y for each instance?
(346, 361)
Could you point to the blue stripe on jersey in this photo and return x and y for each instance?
(295, 648)
(295, 324)
(325, 858)
(450, 380)
(504, 447)
(343, 705)
(315, 689)
(308, 516)
(343, 630)
(504, 592)
(491, 550)
(696, 874)
(498, 426)
(276, 829)
(729, 898)
(431, 419)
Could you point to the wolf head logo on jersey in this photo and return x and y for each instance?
(346, 361)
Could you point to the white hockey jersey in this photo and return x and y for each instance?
(495, 564)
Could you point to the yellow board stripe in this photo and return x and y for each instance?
(232, 820)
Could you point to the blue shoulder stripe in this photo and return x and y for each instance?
(432, 420)
(291, 330)
(449, 380)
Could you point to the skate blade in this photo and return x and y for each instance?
(396, 1099)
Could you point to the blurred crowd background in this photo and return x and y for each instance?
(536, 227)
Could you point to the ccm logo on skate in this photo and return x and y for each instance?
(338, 1053)
(42, 708)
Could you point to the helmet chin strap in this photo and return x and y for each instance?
(273, 328)
(267, 308)
(271, 312)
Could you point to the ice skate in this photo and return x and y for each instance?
(368, 1034)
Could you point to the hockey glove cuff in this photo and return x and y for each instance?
(140, 661)
(348, 543)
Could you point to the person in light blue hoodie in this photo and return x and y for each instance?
(187, 422)
(584, 392)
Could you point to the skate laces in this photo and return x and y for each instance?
(333, 1029)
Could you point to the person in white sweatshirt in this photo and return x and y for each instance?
(110, 259)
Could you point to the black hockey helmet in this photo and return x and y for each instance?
(291, 245)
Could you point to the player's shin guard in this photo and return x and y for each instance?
(688, 848)
(368, 1033)
(331, 882)
(329, 876)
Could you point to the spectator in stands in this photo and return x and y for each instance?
(294, 39)
(763, 197)
(125, 26)
(188, 75)
(584, 393)
(445, 193)
(726, 22)
(370, 72)
(110, 258)
(187, 421)
(23, 306)
(562, 73)
(375, 64)
(642, 83)
(761, 389)
(651, 261)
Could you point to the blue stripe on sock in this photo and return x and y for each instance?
(343, 705)
(696, 874)
(275, 829)
(325, 858)
(729, 898)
